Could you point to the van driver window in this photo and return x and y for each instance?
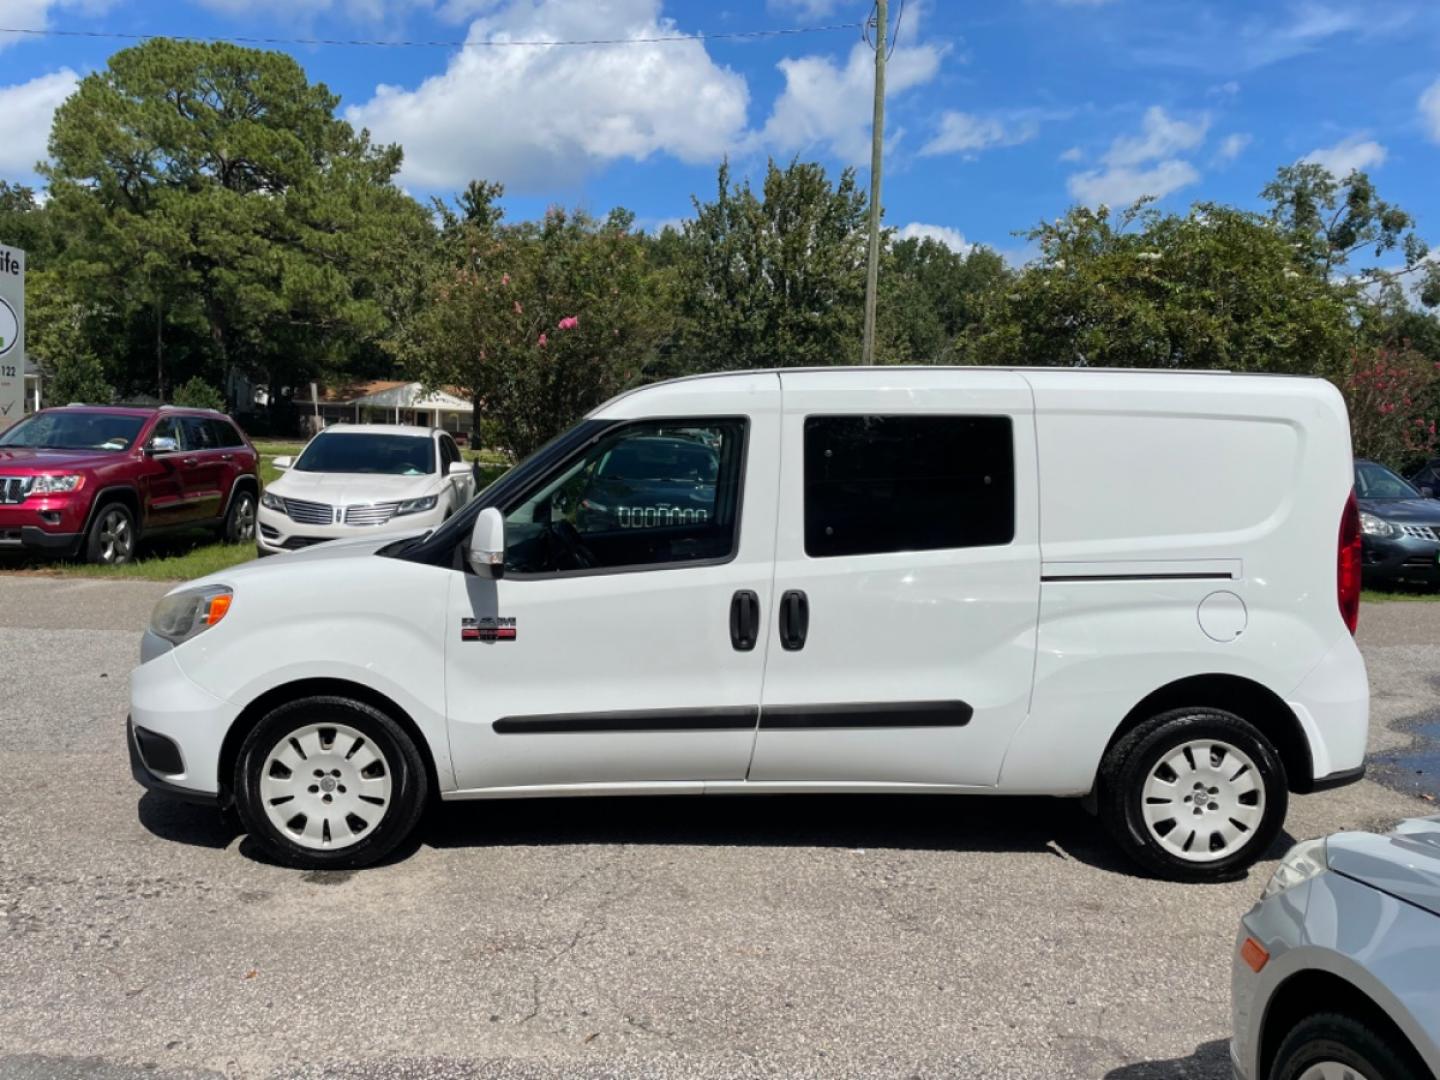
(649, 494)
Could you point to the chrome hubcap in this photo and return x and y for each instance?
(245, 520)
(1203, 800)
(117, 538)
(325, 786)
(1330, 1070)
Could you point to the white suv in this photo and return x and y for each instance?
(363, 480)
(1135, 587)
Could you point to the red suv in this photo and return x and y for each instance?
(93, 480)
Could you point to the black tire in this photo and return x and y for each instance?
(1344, 1040)
(239, 526)
(409, 784)
(1130, 764)
(113, 536)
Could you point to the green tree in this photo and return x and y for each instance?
(218, 214)
(78, 377)
(1214, 288)
(774, 279)
(930, 295)
(1332, 221)
(25, 224)
(196, 393)
(538, 323)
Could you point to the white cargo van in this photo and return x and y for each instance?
(1136, 587)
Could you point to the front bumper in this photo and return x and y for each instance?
(54, 524)
(276, 533)
(153, 781)
(166, 704)
(1405, 558)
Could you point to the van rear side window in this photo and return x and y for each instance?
(876, 484)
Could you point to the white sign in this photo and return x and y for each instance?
(12, 336)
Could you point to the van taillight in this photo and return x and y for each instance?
(1348, 564)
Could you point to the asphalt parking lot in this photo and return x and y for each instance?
(878, 937)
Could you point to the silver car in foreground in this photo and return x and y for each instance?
(1337, 968)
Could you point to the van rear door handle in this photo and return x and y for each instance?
(744, 620)
(794, 620)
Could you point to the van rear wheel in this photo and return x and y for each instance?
(328, 783)
(1194, 794)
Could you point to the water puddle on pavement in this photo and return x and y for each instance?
(1415, 771)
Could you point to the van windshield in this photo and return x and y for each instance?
(382, 455)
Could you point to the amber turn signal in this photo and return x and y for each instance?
(1254, 954)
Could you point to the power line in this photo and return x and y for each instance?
(489, 44)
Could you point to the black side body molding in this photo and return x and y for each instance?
(890, 714)
(741, 718)
(898, 714)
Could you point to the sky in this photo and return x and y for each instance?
(1000, 114)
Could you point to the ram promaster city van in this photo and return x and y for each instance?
(1135, 588)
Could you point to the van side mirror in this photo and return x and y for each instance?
(283, 463)
(162, 444)
(486, 552)
(1428, 492)
(459, 468)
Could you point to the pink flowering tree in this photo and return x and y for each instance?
(540, 323)
(1392, 395)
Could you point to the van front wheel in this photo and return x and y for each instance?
(326, 783)
(1193, 794)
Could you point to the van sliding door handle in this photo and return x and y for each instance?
(744, 620)
(794, 620)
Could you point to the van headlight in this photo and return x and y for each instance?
(186, 614)
(1301, 863)
(272, 502)
(417, 506)
(1371, 525)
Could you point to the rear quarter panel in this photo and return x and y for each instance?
(1144, 480)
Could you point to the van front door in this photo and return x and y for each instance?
(623, 645)
(907, 579)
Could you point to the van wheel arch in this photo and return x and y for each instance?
(1247, 699)
(253, 713)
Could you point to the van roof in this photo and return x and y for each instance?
(1021, 369)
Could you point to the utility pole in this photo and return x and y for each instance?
(877, 153)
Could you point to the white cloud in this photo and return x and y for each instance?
(1430, 110)
(1160, 137)
(1125, 176)
(1123, 185)
(1348, 155)
(827, 105)
(26, 110)
(810, 9)
(951, 238)
(966, 133)
(1073, 154)
(35, 14)
(542, 117)
(299, 10)
(1234, 145)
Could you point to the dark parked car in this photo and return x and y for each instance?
(1399, 527)
(1427, 478)
(93, 480)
